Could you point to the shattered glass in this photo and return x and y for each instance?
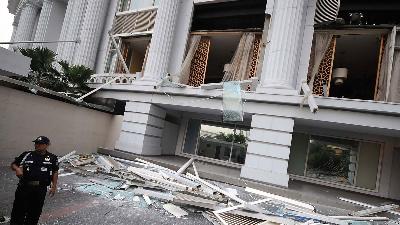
(232, 103)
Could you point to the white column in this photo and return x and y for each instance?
(75, 23)
(142, 129)
(90, 32)
(161, 41)
(267, 155)
(26, 23)
(282, 55)
(44, 18)
(64, 29)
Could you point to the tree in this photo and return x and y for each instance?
(42, 71)
(76, 77)
(71, 79)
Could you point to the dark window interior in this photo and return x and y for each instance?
(222, 49)
(359, 54)
(241, 14)
(375, 12)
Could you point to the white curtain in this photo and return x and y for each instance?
(394, 91)
(237, 69)
(322, 42)
(386, 68)
(183, 75)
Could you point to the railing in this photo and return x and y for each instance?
(104, 78)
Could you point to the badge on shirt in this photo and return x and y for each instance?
(43, 169)
(47, 158)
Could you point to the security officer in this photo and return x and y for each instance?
(36, 170)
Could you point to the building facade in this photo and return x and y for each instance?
(272, 48)
(82, 23)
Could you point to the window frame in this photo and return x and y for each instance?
(336, 185)
(180, 148)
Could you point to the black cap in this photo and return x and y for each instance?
(42, 140)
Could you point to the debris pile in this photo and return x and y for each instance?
(145, 183)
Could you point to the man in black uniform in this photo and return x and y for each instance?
(36, 171)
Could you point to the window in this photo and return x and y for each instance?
(332, 160)
(221, 53)
(217, 141)
(126, 5)
(134, 51)
(335, 160)
(354, 64)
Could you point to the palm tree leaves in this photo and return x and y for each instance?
(70, 79)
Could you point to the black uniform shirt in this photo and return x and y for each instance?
(37, 167)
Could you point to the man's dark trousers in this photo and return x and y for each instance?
(28, 204)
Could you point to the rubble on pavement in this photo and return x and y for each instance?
(146, 183)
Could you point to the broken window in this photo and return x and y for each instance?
(222, 56)
(225, 42)
(216, 141)
(335, 160)
(134, 51)
(126, 5)
(351, 63)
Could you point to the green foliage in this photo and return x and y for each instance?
(237, 138)
(327, 161)
(71, 79)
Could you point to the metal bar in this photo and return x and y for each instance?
(185, 166)
(119, 52)
(34, 42)
(109, 82)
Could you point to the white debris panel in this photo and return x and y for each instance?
(149, 184)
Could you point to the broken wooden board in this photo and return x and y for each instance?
(374, 210)
(66, 157)
(175, 210)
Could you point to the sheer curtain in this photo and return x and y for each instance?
(237, 69)
(394, 91)
(322, 42)
(385, 68)
(183, 76)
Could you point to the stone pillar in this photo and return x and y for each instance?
(64, 30)
(142, 129)
(161, 41)
(267, 155)
(44, 18)
(90, 32)
(282, 54)
(26, 23)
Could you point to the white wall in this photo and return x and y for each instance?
(13, 64)
(24, 116)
